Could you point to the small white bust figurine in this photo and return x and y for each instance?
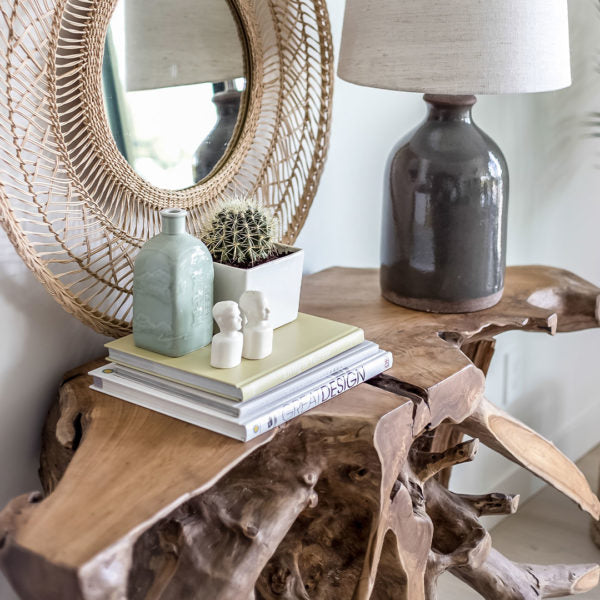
(258, 330)
(226, 351)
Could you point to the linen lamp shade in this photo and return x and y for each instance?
(457, 47)
(180, 42)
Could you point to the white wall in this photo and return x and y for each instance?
(39, 343)
(551, 383)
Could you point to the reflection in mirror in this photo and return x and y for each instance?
(173, 76)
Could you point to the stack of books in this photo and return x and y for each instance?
(313, 360)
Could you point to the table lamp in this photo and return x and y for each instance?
(185, 42)
(446, 184)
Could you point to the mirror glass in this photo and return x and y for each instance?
(173, 80)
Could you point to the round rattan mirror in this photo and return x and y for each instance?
(74, 208)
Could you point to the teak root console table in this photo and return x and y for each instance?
(348, 501)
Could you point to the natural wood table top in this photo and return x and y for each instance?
(116, 474)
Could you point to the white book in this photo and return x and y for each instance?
(272, 397)
(302, 344)
(242, 429)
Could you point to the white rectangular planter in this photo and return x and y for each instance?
(279, 279)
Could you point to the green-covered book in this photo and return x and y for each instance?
(297, 347)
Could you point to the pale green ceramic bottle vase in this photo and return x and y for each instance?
(173, 290)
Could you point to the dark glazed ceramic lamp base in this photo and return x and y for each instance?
(445, 209)
(212, 149)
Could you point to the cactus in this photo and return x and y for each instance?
(240, 233)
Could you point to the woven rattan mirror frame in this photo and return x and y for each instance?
(75, 210)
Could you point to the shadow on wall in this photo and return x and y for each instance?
(39, 342)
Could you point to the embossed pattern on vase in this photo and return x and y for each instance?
(173, 295)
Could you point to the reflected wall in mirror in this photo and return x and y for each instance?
(173, 81)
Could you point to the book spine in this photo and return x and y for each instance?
(319, 395)
(301, 365)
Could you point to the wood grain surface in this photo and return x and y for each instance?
(346, 501)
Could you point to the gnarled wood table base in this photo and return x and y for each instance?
(348, 501)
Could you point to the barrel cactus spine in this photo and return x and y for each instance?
(241, 233)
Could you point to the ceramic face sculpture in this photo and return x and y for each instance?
(258, 330)
(226, 351)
